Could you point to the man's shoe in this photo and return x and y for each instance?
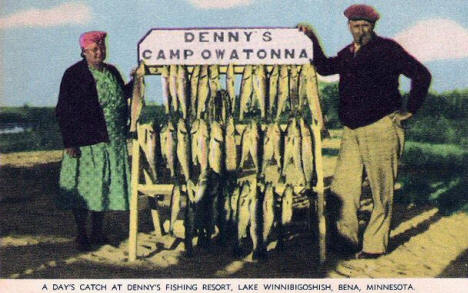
(366, 255)
(82, 243)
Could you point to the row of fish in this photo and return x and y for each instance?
(213, 146)
(250, 208)
(271, 91)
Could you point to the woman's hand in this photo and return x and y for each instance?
(73, 152)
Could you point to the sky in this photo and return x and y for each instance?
(39, 39)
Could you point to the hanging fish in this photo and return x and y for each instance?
(293, 88)
(202, 140)
(307, 151)
(273, 146)
(283, 90)
(214, 85)
(169, 146)
(293, 148)
(184, 153)
(268, 211)
(243, 214)
(216, 158)
(165, 89)
(246, 91)
(260, 88)
(138, 96)
(252, 143)
(174, 207)
(312, 94)
(203, 91)
(194, 78)
(182, 88)
(273, 89)
(230, 145)
(256, 220)
(287, 205)
(234, 199)
(230, 86)
(173, 87)
(153, 144)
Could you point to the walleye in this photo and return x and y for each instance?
(203, 91)
(260, 88)
(293, 148)
(175, 207)
(268, 211)
(216, 149)
(194, 90)
(169, 145)
(230, 146)
(200, 144)
(311, 94)
(183, 148)
(165, 89)
(173, 87)
(307, 151)
(138, 95)
(283, 90)
(273, 89)
(252, 143)
(182, 87)
(256, 220)
(153, 144)
(214, 85)
(243, 214)
(230, 79)
(246, 91)
(274, 144)
(293, 88)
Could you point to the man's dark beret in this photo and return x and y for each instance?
(361, 12)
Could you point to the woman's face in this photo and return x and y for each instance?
(95, 53)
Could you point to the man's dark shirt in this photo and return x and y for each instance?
(368, 84)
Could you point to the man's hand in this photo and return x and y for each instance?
(138, 72)
(307, 30)
(73, 152)
(400, 117)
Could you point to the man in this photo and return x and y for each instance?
(371, 111)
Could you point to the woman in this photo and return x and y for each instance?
(92, 114)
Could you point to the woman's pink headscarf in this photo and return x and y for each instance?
(89, 38)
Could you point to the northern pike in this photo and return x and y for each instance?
(173, 87)
(194, 78)
(293, 148)
(246, 91)
(312, 94)
(307, 151)
(293, 87)
(273, 89)
(184, 153)
(165, 89)
(182, 88)
(260, 88)
(174, 207)
(138, 94)
(230, 146)
(169, 146)
(203, 91)
(230, 86)
(268, 211)
(283, 90)
(216, 148)
(273, 146)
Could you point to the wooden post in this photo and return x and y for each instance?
(133, 231)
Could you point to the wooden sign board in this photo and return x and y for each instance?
(223, 46)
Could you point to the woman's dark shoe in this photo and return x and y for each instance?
(366, 255)
(82, 243)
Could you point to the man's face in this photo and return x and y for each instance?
(361, 31)
(95, 53)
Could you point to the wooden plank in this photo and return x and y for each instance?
(133, 230)
(156, 189)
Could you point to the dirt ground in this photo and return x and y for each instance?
(36, 240)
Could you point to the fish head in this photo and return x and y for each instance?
(182, 127)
